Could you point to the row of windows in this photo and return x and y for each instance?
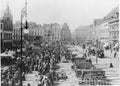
(114, 27)
(16, 38)
(104, 31)
(16, 31)
(7, 36)
(114, 34)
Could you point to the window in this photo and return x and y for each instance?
(117, 14)
(1, 26)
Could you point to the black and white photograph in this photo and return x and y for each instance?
(59, 43)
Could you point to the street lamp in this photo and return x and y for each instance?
(23, 13)
(26, 31)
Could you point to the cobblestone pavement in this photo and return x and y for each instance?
(72, 79)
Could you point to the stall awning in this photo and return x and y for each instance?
(116, 45)
(106, 44)
(6, 55)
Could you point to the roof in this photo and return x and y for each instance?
(112, 14)
(97, 21)
(81, 28)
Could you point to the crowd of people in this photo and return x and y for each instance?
(42, 60)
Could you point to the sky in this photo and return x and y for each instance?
(74, 12)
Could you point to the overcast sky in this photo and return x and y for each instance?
(73, 12)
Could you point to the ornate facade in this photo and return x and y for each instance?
(7, 21)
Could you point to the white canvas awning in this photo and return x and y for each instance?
(8, 54)
(106, 44)
(116, 45)
(11, 52)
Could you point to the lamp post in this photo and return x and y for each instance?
(23, 13)
(21, 53)
(96, 51)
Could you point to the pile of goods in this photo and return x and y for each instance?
(88, 74)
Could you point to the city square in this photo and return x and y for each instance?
(59, 43)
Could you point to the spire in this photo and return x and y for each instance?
(7, 12)
(8, 9)
(26, 8)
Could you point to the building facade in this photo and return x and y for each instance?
(16, 32)
(47, 35)
(82, 34)
(107, 29)
(65, 33)
(113, 17)
(56, 32)
(114, 30)
(1, 29)
(48, 32)
(36, 30)
(104, 32)
(7, 22)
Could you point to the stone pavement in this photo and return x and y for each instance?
(72, 79)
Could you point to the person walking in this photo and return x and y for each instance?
(115, 53)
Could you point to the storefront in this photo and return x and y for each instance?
(6, 44)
